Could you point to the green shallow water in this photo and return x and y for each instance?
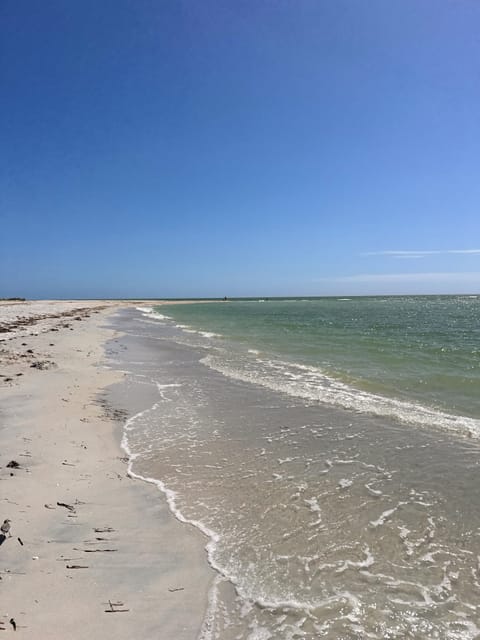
(424, 349)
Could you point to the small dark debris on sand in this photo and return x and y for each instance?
(43, 365)
(13, 464)
(67, 506)
(114, 607)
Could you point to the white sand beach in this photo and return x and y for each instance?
(91, 553)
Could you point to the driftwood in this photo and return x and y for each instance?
(98, 550)
(177, 589)
(76, 566)
(114, 607)
(103, 530)
(20, 541)
(67, 506)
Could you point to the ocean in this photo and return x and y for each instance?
(329, 450)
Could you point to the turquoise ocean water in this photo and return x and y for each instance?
(419, 350)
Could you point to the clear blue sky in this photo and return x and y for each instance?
(169, 148)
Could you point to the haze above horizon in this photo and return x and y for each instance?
(183, 149)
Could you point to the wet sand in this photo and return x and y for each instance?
(91, 552)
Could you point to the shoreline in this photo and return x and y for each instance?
(85, 537)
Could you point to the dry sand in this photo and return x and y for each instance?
(115, 540)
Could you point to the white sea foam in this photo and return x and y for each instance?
(312, 384)
(386, 515)
(313, 504)
(206, 632)
(149, 312)
(361, 564)
(162, 390)
(374, 492)
(314, 508)
(205, 334)
(167, 386)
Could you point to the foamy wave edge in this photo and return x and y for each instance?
(149, 312)
(336, 393)
(210, 547)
